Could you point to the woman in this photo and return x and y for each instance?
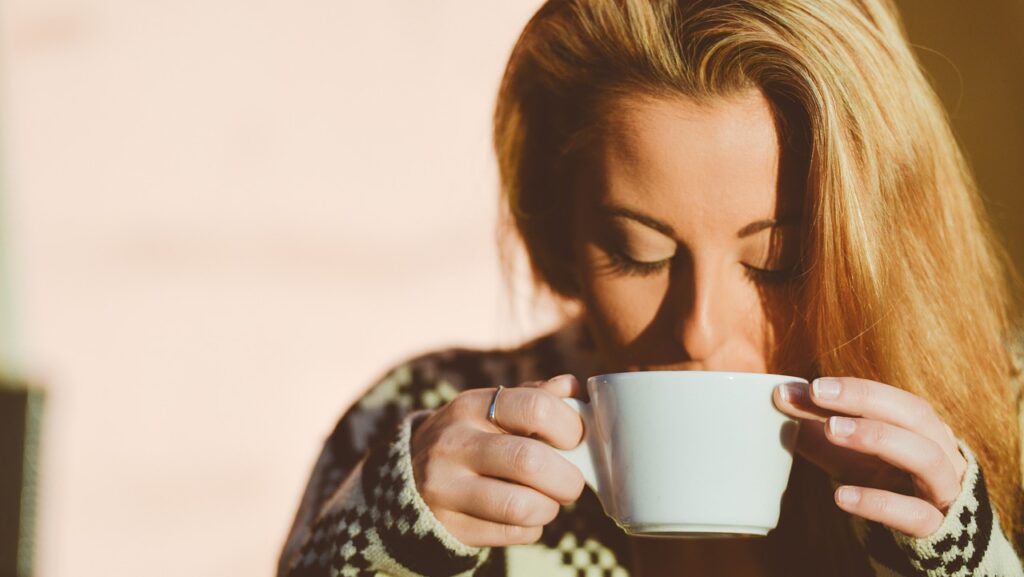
(751, 185)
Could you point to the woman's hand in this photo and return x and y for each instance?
(491, 488)
(899, 463)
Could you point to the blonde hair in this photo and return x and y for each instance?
(903, 280)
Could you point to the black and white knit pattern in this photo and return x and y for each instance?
(959, 548)
(361, 514)
(383, 526)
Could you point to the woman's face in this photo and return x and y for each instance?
(685, 241)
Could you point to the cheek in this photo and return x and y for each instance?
(788, 346)
(621, 305)
(625, 307)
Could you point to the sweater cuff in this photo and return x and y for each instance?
(379, 523)
(408, 529)
(969, 538)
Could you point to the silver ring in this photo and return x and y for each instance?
(491, 415)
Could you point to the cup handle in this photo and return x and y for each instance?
(582, 456)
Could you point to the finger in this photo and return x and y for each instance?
(881, 402)
(475, 532)
(794, 399)
(959, 461)
(532, 412)
(923, 458)
(949, 433)
(527, 462)
(563, 386)
(909, 515)
(839, 462)
(501, 502)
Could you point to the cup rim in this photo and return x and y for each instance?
(743, 375)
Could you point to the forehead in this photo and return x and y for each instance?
(697, 166)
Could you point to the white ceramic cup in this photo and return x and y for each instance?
(686, 453)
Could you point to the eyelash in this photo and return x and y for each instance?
(622, 264)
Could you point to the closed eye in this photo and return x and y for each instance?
(623, 264)
(769, 276)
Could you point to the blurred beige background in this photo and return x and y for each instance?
(225, 218)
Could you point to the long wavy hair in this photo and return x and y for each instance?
(903, 281)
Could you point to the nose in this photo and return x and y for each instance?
(706, 316)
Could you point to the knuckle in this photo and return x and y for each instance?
(537, 409)
(571, 431)
(577, 431)
(547, 511)
(515, 509)
(875, 435)
(430, 483)
(917, 516)
(932, 522)
(459, 406)
(921, 521)
(921, 412)
(527, 459)
(512, 534)
(577, 485)
(570, 482)
(450, 442)
(469, 532)
(944, 502)
(935, 460)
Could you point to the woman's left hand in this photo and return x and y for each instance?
(898, 462)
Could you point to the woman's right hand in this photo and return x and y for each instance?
(491, 488)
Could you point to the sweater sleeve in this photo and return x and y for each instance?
(969, 543)
(361, 513)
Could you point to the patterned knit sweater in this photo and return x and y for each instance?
(361, 514)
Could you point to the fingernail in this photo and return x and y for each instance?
(841, 426)
(563, 377)
(826, 388)
(793, 393)
(848, 495)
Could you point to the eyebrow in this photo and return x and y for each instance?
(666, 229)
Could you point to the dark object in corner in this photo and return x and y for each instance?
(20, 411)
